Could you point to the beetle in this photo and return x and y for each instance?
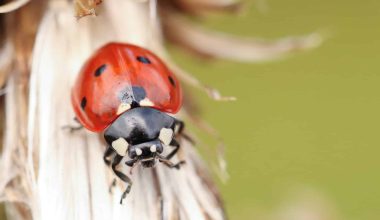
(129, 94)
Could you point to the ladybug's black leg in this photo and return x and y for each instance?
(73, 128)
(166, 159)
(179, 131)
(109, 152)
(170, 164)
(132, 164)
(176, 146)
(179, 126)
(116, 161)
(113, 184)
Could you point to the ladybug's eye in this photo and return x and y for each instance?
(166, 136)
(120, 145)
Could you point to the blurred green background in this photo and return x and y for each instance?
(310, 121)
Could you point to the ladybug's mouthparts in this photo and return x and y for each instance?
(148, 159)
(149, 162)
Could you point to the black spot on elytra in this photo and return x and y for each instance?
(143, 60)
(100, 70)
(132, 95)
(171, 80)
(83, 103)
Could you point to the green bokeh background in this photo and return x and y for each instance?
(311, 120)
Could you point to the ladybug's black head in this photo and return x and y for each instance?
(141, 134)
(146, 152)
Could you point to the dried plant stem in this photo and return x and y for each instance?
(13, 5)
(215, 44)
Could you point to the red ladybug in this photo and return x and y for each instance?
(126, 92)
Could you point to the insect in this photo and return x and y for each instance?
(126, 92)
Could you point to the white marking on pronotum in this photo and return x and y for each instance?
(138, 151)
(166, 135)
(122, 108)
(146, 102)
(153, 148)
(120, 146)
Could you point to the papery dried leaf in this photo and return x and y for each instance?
(215, 44)
(13, 5)
(85, 7)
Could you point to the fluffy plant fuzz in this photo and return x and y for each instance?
(50, 173)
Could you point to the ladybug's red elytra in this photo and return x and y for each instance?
(126, 92)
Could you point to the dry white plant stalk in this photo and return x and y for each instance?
(50, 173)
(221, 45)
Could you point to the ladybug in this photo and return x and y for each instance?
(128, 93)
